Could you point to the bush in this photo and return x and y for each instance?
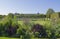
(8, 26)
(41, 31)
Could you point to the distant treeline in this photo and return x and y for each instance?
(31, 16)
(38, 15)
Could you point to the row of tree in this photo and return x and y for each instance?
(38, 15)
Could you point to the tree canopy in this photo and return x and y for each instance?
(49, 12)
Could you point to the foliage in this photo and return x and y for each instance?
(31, 25)
(49, 12)
(8, 26)
(40, 30)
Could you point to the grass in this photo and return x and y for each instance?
(7, 38)
(19, 38)
(37, 22)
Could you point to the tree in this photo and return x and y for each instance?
(2, 16)
(10, 25)
(59, 14)
(49, 12)
(10, 15)
(1, 29)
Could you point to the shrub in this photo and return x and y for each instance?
(39, 28)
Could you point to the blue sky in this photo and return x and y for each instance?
(28, 6)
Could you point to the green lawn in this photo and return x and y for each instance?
(7, 38)
(20, 38)
(37, 22)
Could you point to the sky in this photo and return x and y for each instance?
(28, 6)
